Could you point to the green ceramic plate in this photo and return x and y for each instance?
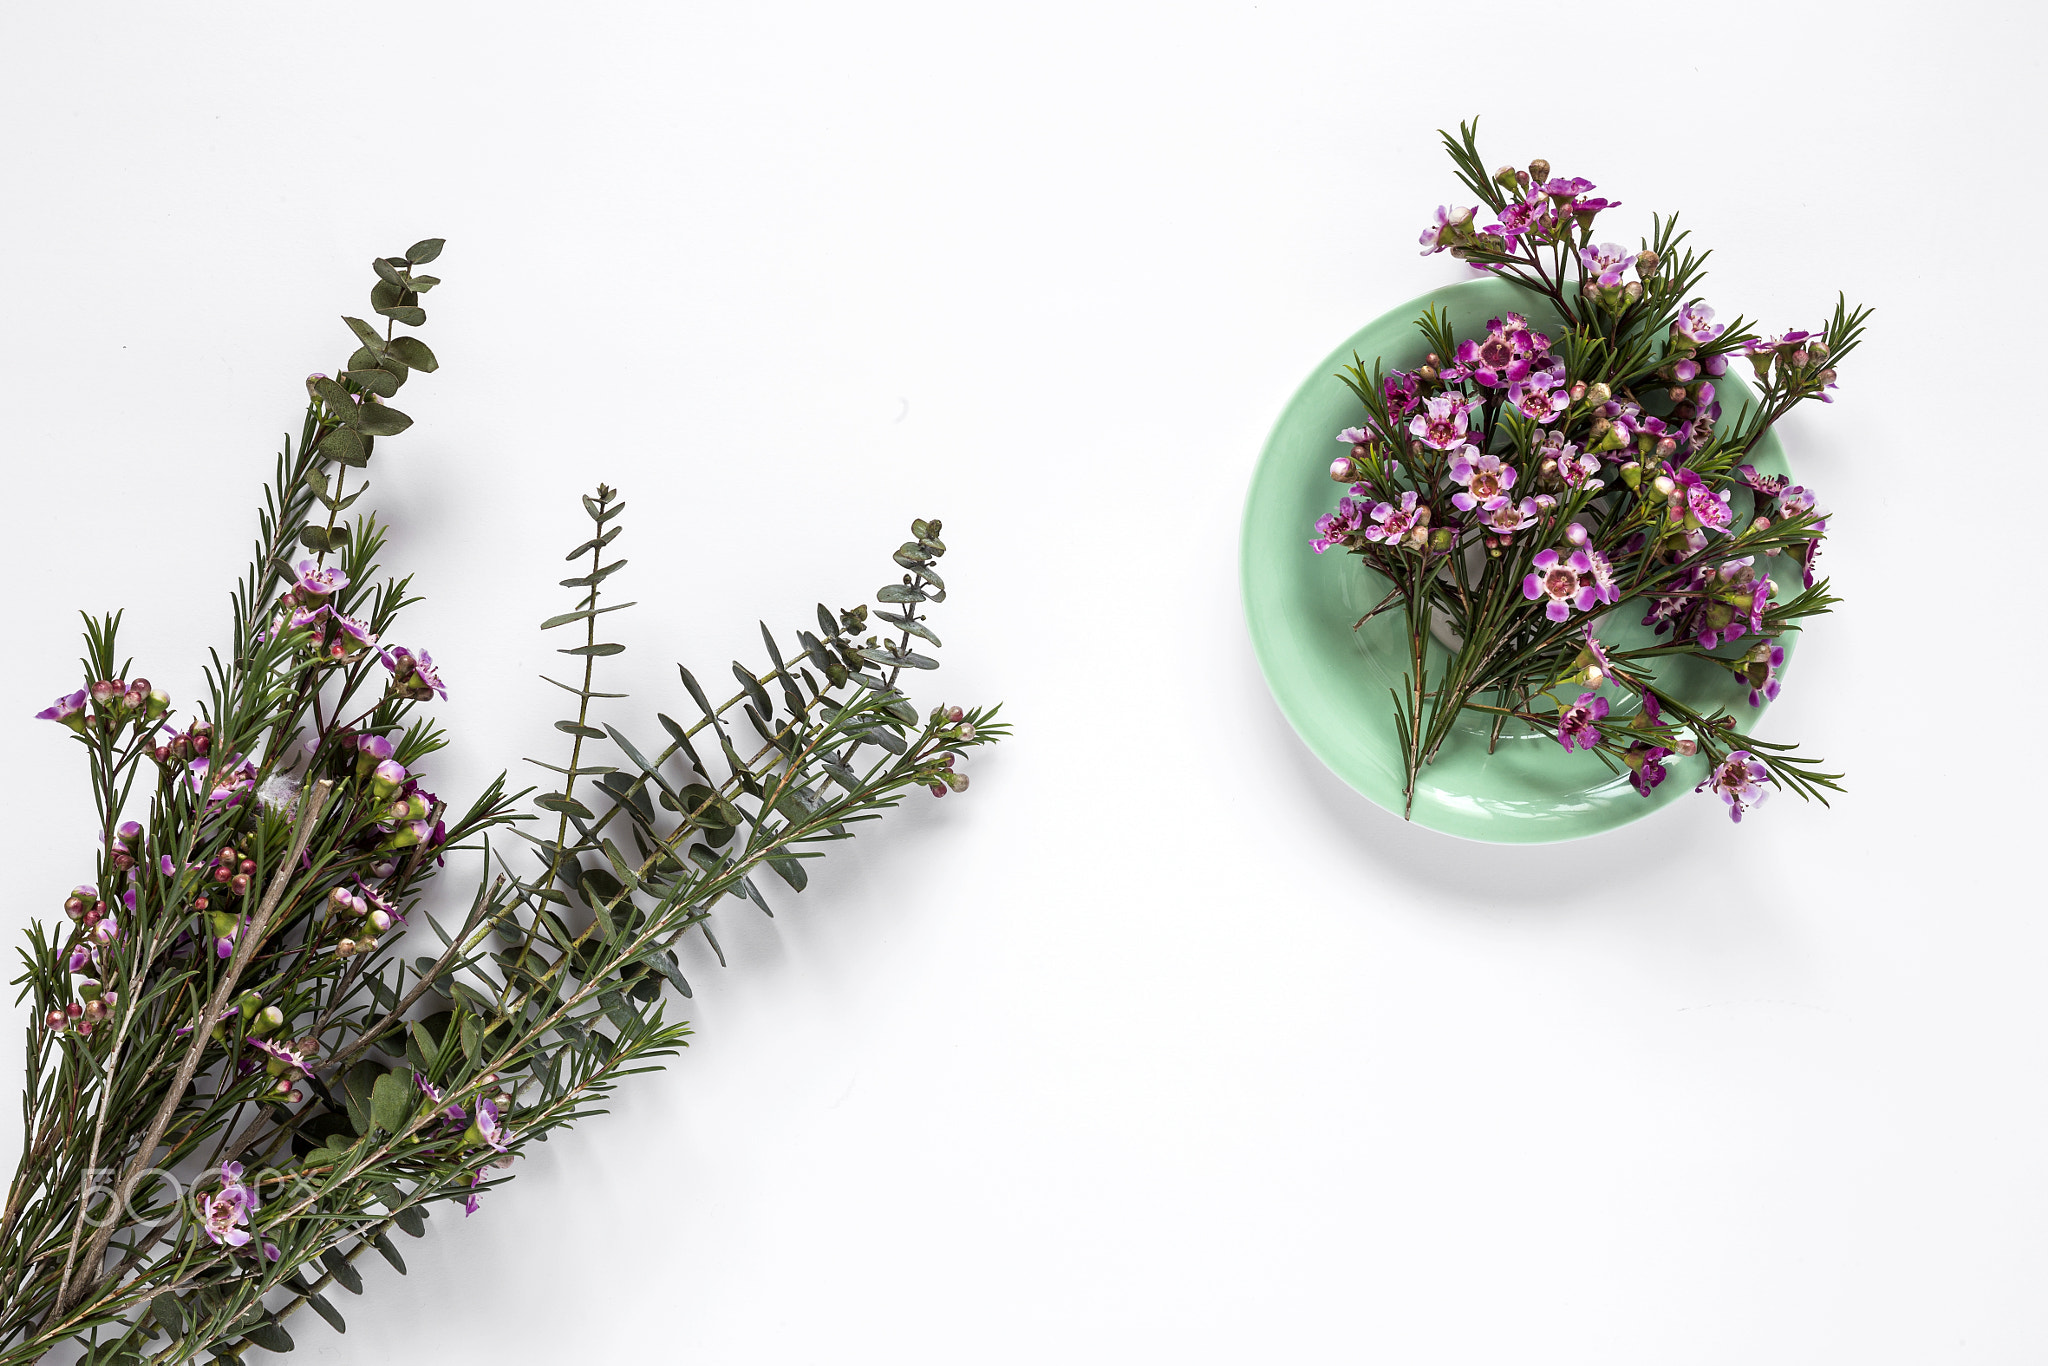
(1334, 684)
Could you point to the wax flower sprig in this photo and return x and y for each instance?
(1528, 486)
(238, 1084)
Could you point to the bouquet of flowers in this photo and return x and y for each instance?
(245, 1067)
(1528, 489)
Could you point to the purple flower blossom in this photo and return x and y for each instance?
(1554, 580)
(284, 1057)
(1564, 190)
(1509, 518)
(375, 748)
(1333, 528)
(1695, 325)
(1485, 478)
(66, 711)
(1517, 220)
(1796, 502)
(1450, 226)
(453, 1114)
(1596, 573)
(1760, 671)
(1598, 672)
(413, 673)
(1645, 765)
(1402, 393)
(1392, 523)
(469, 1202)
(1574, 466)
(1701, 505)
(1578, 722)
(228, 781)
(1769, 485)
(1608, 261)
(490, 1129)
(223, 1214)
(1540, 395)
(1583, 581)
(1738, 781)
(352, 635)
(1442, 423)
(320, 583)
(1506, 355)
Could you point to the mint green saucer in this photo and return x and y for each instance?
(1333, 684)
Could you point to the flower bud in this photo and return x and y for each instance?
(1577, 391)
(346, 948)
(380, 920)
(1341, 471)
(1505, 177)
(1632, 474)
(371, 750)
(1539, 169)
(1686, 746)
(56, 1019)
(159, 704)
(1576, 534)
(387, 778)
(1647, 263)
(1664, 485)
(1599, 393)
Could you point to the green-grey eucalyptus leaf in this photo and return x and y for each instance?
(391, 1102)
(344, 1272)
(421, 252)
(379, 381)
(327, 1311)
(344, 446)
(415, 353)
(382, 1242)
(378, 420)
(370, 337)
(271, 1337)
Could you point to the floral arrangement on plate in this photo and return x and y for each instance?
(1532, 485)
(253, 1053)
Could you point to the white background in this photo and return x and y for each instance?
(1159, 1044)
